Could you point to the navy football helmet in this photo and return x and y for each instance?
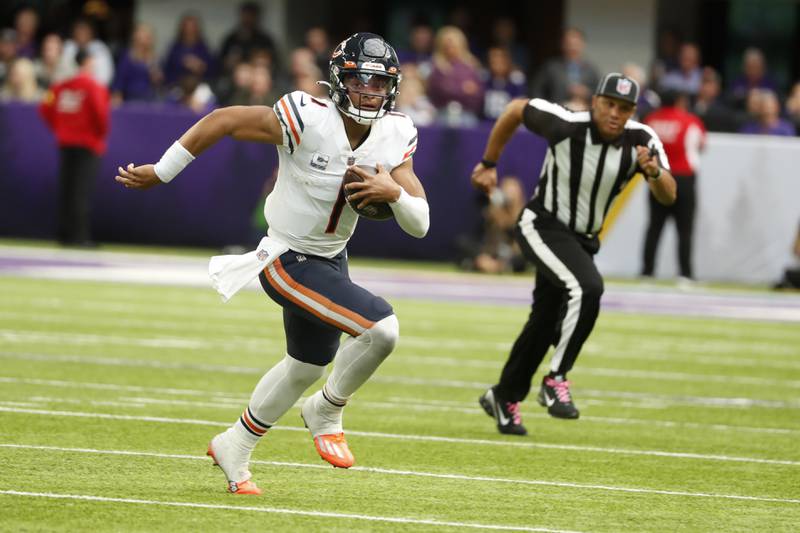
(373, 63)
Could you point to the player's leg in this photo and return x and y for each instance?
(566, 259)
(658, 216)
(66, 193)
(310, 346)
(86, 172)
(684, 209)
(538, 333)
(322, 290)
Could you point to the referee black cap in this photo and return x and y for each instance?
(616, 85)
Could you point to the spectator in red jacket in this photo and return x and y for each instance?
(683, 135)
(77, 110)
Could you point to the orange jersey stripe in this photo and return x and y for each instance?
(410, 152)
(291, 122)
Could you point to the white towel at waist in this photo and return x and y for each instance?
(229, 273)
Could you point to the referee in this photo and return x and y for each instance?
(591, 156)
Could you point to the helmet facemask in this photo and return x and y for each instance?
(364, 96)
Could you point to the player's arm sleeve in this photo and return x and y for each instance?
(650, 139)
(547, 119)
(296, 111)
(411, 210)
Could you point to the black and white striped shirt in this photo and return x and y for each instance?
(582, 173)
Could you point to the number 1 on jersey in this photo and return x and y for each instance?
(333, 220)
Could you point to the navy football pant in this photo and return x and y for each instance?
(319, 302)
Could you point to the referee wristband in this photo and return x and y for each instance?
(488, 164)
(172, 162)
(654, 178)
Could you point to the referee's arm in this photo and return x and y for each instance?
(659, 179)
(484, 175)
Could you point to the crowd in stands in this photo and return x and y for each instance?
(445, 79)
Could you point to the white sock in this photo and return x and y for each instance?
(276, 393)
(358, 359)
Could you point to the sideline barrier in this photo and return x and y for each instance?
(748, 195)
(748, 211)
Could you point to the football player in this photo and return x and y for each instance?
(309, 213)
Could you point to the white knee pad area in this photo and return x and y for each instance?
(383, 335)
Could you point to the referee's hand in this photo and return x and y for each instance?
(484, 179)
(647, 160)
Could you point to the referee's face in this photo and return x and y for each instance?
(610, 115)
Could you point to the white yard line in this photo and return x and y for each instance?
(661, 399)
(275, 510)
(705, 401)
(651, 349)
(422, 438)
(403, 404)
(417, 473)
(258, 344)
(232, 316)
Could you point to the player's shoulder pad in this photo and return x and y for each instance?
(405, 132)
(297, 111)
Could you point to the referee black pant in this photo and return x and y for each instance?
(566, 301)
(77, 175)
(683, 212)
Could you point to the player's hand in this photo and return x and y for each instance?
(647, 162)
(484, 179)
(141, 177)
(376, 188)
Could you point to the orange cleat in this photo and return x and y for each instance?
(244, 487)
(333, 448)
(235, 487)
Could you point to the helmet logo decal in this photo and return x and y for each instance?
(624, 86)
(373, 66)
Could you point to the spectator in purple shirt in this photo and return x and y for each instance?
(687, 77)
(766, 112)
(754, 76)
(455, 81)
(189, 53)
(138, 76)
(26, 23)
(420, 41)
(504, 82)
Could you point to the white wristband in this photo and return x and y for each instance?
(412, 214)
(172, 162)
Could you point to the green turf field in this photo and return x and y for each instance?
(109, 394)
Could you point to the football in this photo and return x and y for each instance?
(378, 211)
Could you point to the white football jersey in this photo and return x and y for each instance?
(307, 210)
